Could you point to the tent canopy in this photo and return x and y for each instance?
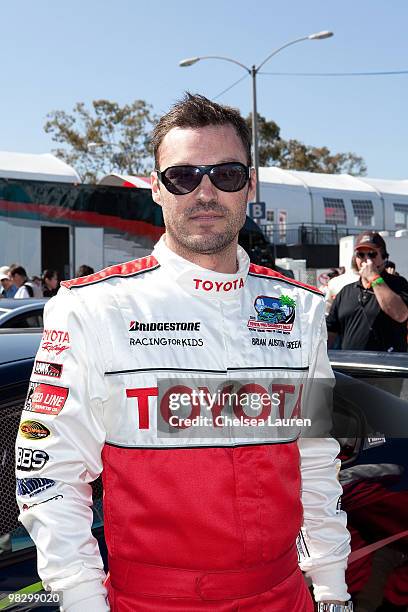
(122, 180)
(340, 182)
(36, 167)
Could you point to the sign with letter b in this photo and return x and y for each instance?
(257, 210)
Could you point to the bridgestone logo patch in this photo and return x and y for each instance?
(164, 326)
(44, 368)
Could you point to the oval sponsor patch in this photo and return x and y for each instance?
(34, 430)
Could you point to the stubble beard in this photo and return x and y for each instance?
(210, 243)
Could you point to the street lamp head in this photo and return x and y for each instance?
(321, 35)
(189, 61)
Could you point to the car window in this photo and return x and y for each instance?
(393, 383)
(28, 319)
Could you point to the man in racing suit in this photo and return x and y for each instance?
(193, 520)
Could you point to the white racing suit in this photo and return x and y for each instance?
(198, 515)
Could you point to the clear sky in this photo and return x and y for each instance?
(56, 53)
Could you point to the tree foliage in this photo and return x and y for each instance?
(295, 155)
(113, 138)
(107, 138)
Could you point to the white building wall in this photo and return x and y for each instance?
(347, 197)
(301, 194)
(306, 205)
(119, 249)
(20, 242)
(293, 199)
(88, 247)
(390, 200)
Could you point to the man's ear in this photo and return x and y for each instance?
(252, 185)
(154, 181)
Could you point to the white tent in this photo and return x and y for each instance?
(121, 180)
(349, 201)
(36, 167)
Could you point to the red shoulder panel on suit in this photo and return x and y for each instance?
(263, 271)
(129, 268)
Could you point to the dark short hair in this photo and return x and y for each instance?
(18, 270)
(196, 111)
(84, 270)
(49, 274)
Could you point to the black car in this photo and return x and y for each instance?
(25, 313)
(374, 472)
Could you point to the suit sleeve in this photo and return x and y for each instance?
(324, 533)
(58, 447)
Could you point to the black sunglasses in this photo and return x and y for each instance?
(370, 254)
(180, 180)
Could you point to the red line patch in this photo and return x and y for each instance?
(46, 399)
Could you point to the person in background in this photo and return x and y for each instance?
(332, 274)
(49, 283)
(337, 282)
(84, 270)
(36, 283)
(390, 268)
(371, 314)
(4, 269)
(8, 290)
(20, 279)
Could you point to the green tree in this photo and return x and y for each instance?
(106, 138)
(295, 155)
(269, 140)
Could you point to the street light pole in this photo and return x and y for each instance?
(255, 133)
(253, 71)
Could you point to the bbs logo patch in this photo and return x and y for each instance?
(30, 460)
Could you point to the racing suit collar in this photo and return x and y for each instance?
(199, 281)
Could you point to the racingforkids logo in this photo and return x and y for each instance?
(273, 314)
(164, 326)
